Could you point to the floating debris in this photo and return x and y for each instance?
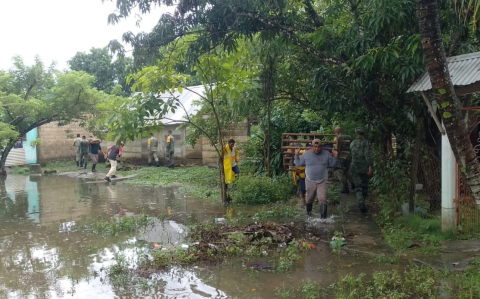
(220, 220)
(260, 265)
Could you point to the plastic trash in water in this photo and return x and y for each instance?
(220, 220)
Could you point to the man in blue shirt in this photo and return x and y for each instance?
(94, 149)
(316, 162)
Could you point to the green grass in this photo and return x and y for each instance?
(413, 282)
(114, 227)
(20, 170)
(258, 189)
(280, 211)
(61, 166)
(405, 233)
(58, 166)
(198, 181)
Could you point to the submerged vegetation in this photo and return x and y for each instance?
(413, 282)
(416, 233)
(279, 245)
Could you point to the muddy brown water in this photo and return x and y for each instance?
(42, 256)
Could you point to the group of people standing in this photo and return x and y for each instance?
(84, 148)
(311, 169)
(91, 147)
(169, 150)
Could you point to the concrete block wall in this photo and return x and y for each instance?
(238, 132)
(55, 143)
(57, 146)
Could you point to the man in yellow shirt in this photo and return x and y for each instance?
(230, 160)
(152, 150)
(170, 149)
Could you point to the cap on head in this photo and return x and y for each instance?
(316, 141)
(122, 143)
(360, 131)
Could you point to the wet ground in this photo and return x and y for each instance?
(43, 256)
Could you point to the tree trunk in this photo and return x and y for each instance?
(223, 186)
(269, 172)
(268, 93)
(3, 160)
(442, 88)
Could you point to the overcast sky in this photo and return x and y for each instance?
(58, 29)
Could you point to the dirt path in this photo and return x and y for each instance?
(361, 231)
(362, 234)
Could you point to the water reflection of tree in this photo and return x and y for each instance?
(13, 209)
(34, 260)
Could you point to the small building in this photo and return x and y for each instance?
(23, 153)
(459, 208)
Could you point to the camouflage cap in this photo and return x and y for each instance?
(360, 131)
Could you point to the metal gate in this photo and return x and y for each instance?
(303, 141)
(466, 209)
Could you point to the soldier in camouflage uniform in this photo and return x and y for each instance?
(170, 149)
(341, 172)
(84, 146)
(361, 167)
(76, 144)
(152, 150)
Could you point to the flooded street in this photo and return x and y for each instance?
(43, 256)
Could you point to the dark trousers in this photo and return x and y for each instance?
(360, 181)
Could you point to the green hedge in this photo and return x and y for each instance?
(250, 189)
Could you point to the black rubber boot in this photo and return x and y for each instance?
(363, 207)
(309, 207)
(149, 164)
(345, 189)
(158, 164)
(323, 211)
(78, 164)
(93, 167)
(85, 166)
(81, 164)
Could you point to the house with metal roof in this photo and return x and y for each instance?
(458, 207)
(464, 71)
(57, 145)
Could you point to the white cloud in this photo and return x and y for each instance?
(57, 29)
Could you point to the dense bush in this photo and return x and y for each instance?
(261, 190)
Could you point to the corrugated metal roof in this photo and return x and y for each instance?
(16, 157)
(464, 70)
(187, 98)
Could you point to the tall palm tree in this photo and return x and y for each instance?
(442, 88)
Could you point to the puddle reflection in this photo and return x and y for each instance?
(43, 256)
